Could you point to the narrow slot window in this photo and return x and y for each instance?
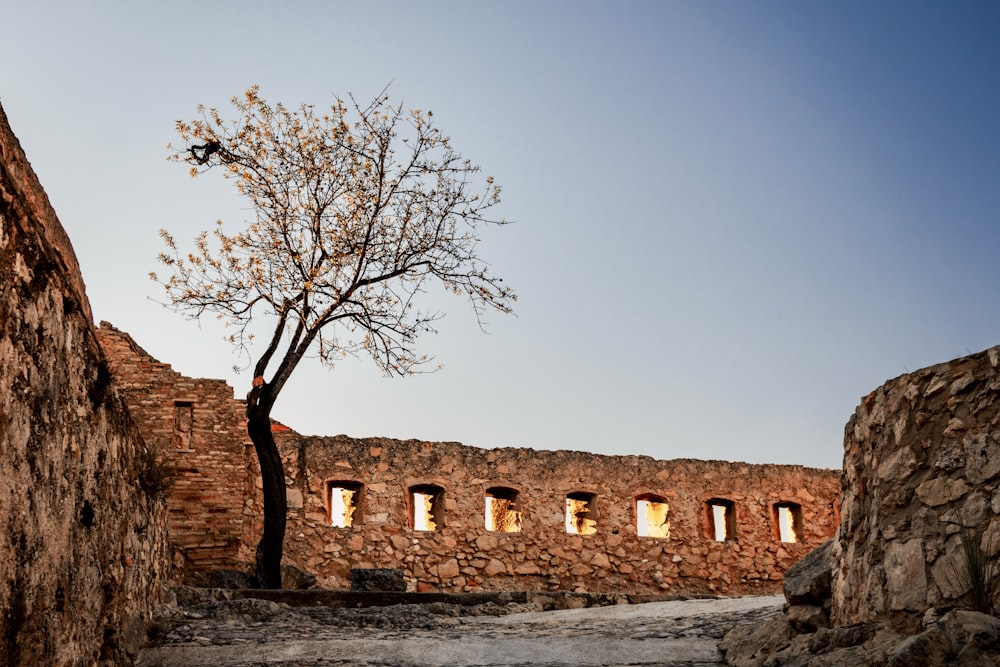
(721, 519)
(183, 424)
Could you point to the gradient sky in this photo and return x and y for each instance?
(733, 220)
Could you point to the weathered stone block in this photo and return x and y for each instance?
(295, 578)
(808, 581)
(807, 617)
(941, 490)
(905, 576)
(376, 580)
(448, 569)
(982, 452)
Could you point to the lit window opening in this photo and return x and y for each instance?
(344, 501)
(651, 516)
(581, 513)
(502, 514)
(789, 520)
(721, 515)
(427, 507)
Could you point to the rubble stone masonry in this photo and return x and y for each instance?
(921, 463)
(83, 544)
(421, 507)
(606, 554)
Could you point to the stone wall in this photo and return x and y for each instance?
(921, 462)
(462, 554)
(82, 540)
(530, 489)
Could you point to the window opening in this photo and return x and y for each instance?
(183, 424)
(789, 520)
(581, 513)
(721, 516)
(427, 507)
(344, 501)
(502, 514)
(651, 516)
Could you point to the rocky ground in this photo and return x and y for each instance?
(245, 633)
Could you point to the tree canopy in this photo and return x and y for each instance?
(352, 218)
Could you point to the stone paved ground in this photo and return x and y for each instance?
(250, 633)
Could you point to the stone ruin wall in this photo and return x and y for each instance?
(461, 554)
(208, 444)
(83, 546)
(199, 427)
(922, 462)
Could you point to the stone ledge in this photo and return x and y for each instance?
(187, 595)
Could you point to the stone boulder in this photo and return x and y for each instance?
(776, 642)
(808, 581)
(294, 577)
(377, 580)
(226, 579)
(807, 589)
(960, 638)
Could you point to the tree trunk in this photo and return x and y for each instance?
(268, 568)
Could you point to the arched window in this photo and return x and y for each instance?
(720, 515)
(651, 516)
(426, 507)
(343, 501)
(581, 513)
(788, 521)
(502, 513)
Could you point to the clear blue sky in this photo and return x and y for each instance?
(733, 220)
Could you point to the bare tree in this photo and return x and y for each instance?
(356, 209)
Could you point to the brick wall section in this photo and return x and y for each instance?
(462, 555)
(200, 428)
(83, 545)
(216, 509)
